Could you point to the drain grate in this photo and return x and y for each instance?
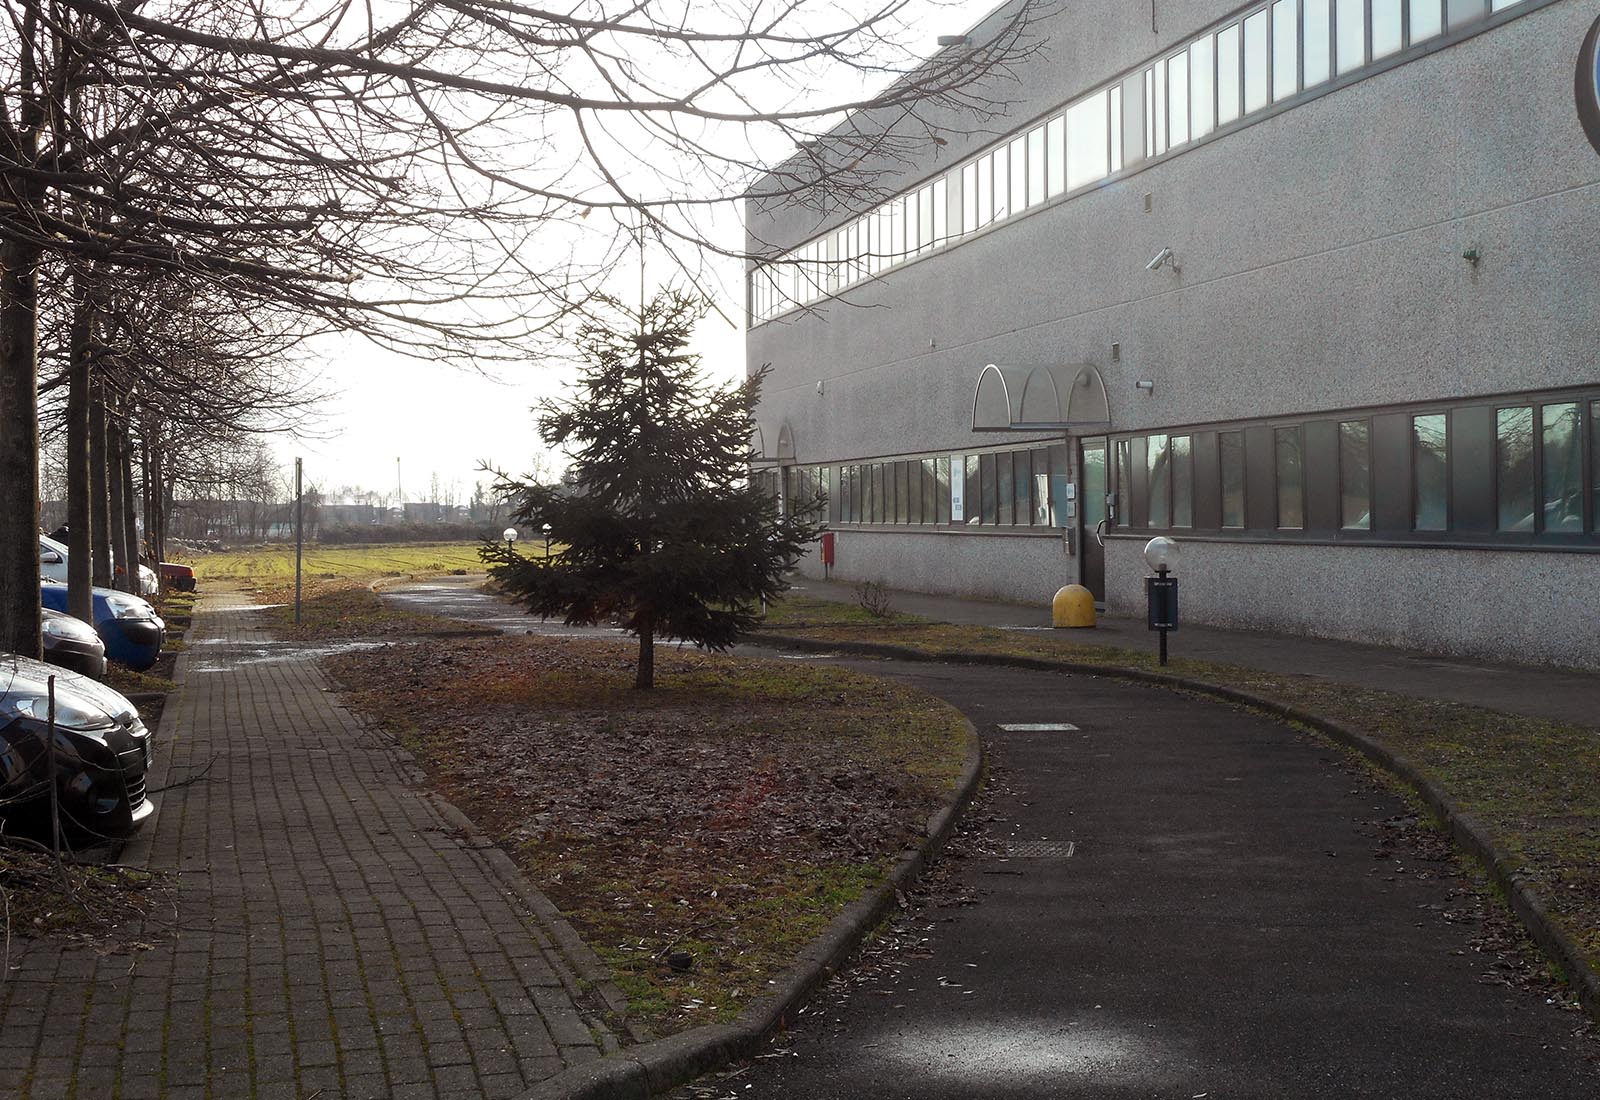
(1039, 849)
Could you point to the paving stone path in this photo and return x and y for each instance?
(336, 936)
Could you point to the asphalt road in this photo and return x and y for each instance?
(1226, 925)
(1173, 899)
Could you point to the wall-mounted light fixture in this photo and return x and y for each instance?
(1472, 256)
(1146, 384)
(819, 389)
(1164, 258)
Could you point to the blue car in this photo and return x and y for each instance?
(129, 626)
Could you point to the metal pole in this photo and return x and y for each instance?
(1162, 573)
(299, 537)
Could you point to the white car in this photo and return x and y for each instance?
(53, 567)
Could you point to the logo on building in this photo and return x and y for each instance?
(1588, 85)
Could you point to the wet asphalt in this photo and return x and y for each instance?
(1173, 899)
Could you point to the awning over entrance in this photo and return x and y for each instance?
(782, 454)
(1069, 397)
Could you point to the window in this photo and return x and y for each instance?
(1157, 462)
(1561, 452)
(1042, 469)
(1355, 476)
(1182, 482)
(1124, 488)
(1055, 141)
(1058, 484)
(1202, 74)
(1004, 490)
(985, 190)
(1594, 459)
(1115, 102)
(1290, 452)
(1002, 183)
(941, 473)
(1255, 61)
(1178, 98)
(1385, 28)
(908, 487)
(1023, 485)
(969, 198)
(987, 473)
(972, 495)
(1228, 73)
(941, 210)
(1018, 156)
(1036, 164)
(1430, 473)
(1427, 19)
(1513, 483)
(930, 493)
(1086, 141)
(1158, 93)
(1285, 49)
(1318, 47)
(1231, 461)
(1350, 35)
(925, 219)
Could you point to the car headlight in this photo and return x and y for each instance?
(69, 630)
(124, 606)
(69, 714)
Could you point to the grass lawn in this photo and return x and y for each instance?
(697, 835)
(1533, 784)
(274, 564)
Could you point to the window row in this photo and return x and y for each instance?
(1019, 488)
(1267, 55)
(1515, 471)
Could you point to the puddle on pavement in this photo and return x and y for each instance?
(986, 1053)
(267, 652)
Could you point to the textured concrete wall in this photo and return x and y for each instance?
(1490, 604)
(1020, 569)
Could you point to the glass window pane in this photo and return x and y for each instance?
(1501, 5)
(1514, 470)
(1024, 487)
(1086, 141)
(1255, 62)
(1005, 493)
(986, 470)
(1318, 51)
(1427, 19)
(1093, 504)
(1149, 112)
(1178, 98)
(1385, 28)
(1431, 484)
(986, 190)
(1350, 34)
(1231, 461)
(941, 210)
(1124, 489)
(969, 198)
(1202, 74)
(941, 473)
(1594, 455)
(1228, 73)
(1355, 476)
(1562, 462)
(1160, 484)
(1291, 479)
(972, 492)
(1115, 122)
(1159, 91)
(1056, 155)
(1018, 156)
(1285, 48)
(1182, 482)
(1036, 163)
(926, 210)
(910, 483)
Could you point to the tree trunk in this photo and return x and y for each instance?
(99, 494)
(19, 449)
(646, 677)
(120, 573)
(80, 523)
(130, 514)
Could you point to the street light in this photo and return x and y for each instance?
(510, 535)
(547, 541)
(1161, 590)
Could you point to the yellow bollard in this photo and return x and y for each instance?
(1073, 606)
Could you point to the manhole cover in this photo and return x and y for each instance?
(1039, 849)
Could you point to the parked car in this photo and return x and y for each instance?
(180, 577)
(101, 750)
(129, 626)
(72, 643)
(53, 566)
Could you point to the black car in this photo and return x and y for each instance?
(101, 750)
(72, 643)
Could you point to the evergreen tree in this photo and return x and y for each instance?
(661, 527)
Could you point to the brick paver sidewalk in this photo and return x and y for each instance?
(335, 935)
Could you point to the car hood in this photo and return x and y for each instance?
(19, 673)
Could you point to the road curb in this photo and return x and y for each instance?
(1467, 832)
(649, 1069)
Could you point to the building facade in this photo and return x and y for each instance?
(1312, 286)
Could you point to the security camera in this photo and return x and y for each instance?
(1162, 257)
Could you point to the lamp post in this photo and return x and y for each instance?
(547, 542)
(1161, 590)
(510, 535)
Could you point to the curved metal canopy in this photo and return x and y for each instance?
(1069, 397)
(760, 456)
